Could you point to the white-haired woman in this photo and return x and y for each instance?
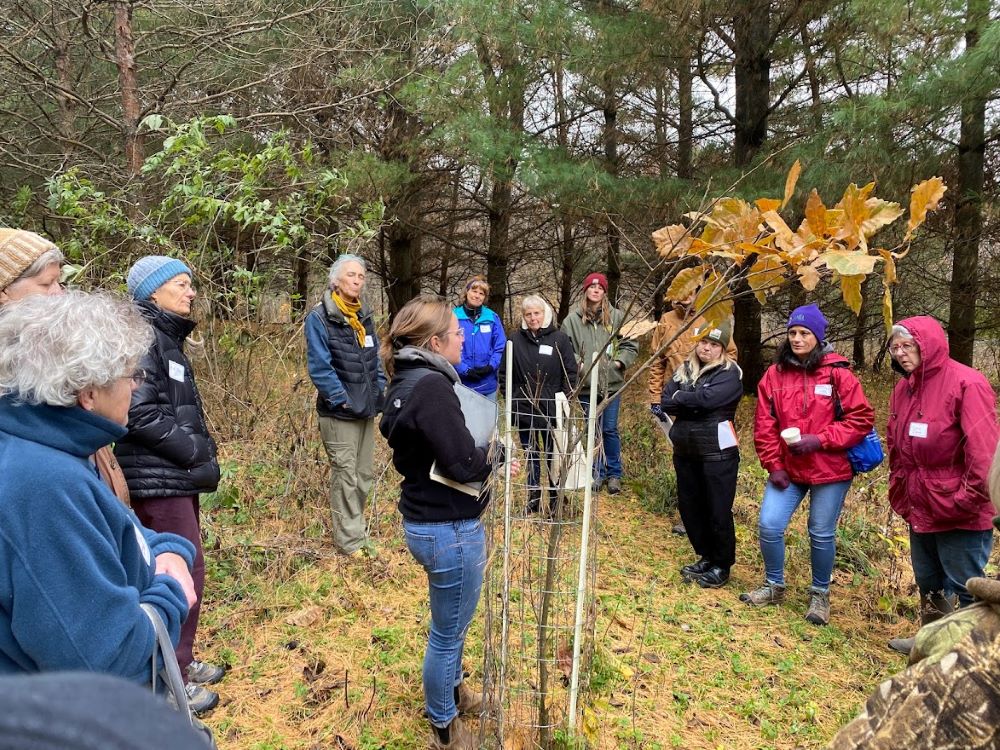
(343, 355)
(702, 397)
(32, 265)
(543, 365)
(75, 562)
(168, 456)
(29, 264)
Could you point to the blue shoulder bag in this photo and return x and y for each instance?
(867, 454)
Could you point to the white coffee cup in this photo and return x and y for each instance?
(791, 435)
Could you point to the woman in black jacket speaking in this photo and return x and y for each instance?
(423, 424)
(168, 457)
(543, 365)
(702, 398)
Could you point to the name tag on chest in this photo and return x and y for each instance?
(545, 349)
(485, 328)
(369, 342)
(918, 429)
(176, 371)
(823, 389)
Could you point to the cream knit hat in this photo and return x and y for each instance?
(19, 248)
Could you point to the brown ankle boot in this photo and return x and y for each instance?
(455, 737)
(468, 701)
(933, 607)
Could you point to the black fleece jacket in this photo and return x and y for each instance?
(544, 364)
(423, 423)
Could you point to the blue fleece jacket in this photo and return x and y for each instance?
(75, 563)
(483, 346)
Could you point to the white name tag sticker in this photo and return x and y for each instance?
(485, 328)
(824, 389)
(176, 371)
(918, 429)
(545, 349)
(369, 342)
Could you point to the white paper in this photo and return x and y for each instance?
(175, 370)
(480, 416)
(545, 350)
(471, 488)
(664, 425)
(485, 328)
(369, 341)
(727, 436)
(918, 429)
(824, 389)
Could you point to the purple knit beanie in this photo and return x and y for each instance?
(809, 316)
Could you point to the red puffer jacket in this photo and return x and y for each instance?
(789, 395)
(942, 433)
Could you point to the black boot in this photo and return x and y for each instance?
(692, 571)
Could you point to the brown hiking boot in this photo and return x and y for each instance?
(769, 593)
(933, 607)
(819, 607)
(455, 737)
(469, 702)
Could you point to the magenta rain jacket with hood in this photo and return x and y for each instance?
(942, 433)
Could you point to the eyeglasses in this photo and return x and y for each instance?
(138, 378)
(460, 332)
(904, 346)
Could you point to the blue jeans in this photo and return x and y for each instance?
(825, 504)
(945, 560)
(453, 553)
(609, 462)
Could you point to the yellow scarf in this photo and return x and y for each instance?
(351, 310)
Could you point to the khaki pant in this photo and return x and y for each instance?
(350, 445)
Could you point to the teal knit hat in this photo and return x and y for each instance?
(150, 273)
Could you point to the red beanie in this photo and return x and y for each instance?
(600, 278)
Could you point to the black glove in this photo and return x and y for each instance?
(478, 373)
(657, 412)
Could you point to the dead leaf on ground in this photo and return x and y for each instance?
(303, 618)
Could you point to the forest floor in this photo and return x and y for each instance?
(326, 652)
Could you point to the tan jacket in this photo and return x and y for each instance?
(111, 473)
(667, 362)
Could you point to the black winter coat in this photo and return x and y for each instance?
(167, 451)
(698, 408)
(348, 377)
(423, 423)
(544, 364)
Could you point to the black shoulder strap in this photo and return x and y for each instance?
(838, 409)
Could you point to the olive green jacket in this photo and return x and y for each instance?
(591, 337)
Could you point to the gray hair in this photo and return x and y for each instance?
(53, 347)
(899, 331)
(338, 266)
(43, 261)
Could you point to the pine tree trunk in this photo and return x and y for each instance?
(968, 206)
(685, 119)
(612, 233)
(128, 83)
(751, 27)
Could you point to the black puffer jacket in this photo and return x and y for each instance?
(348, 377)
(699, 407)
(168, 451)
(544, 365)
